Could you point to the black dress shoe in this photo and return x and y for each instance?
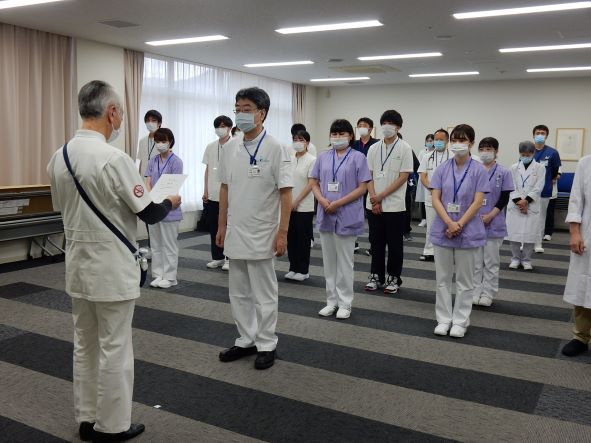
(134, 430)
(236, 352)
(265, 360)
(86, 431)
(574, 348)
(427, 258)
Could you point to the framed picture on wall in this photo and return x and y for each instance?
(569, 143)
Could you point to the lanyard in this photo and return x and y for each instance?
(388, 156)
(493, 173)
(436, 159)
(165, 164)
(453, 173)
(151, 149)
(334, 172)
(253, 157)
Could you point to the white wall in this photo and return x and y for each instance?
(506, 110)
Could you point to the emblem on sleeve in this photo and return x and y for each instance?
(138, 191)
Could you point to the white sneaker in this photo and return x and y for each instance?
(327, 311)
(485, 300)
(547, 237)
(475, 299)
(373, 284)
(539, 249)
(441, 329)
(343, 313)
(457, 331)
(214, 264)
(527, 266)
(289, 275)
(300, 277)
(392, 286)
(311, 244)
(226, 266)
(515, 262)
(156, 282)
(165, 284)
(423, 223)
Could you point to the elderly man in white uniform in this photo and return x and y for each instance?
(102, 275)
(578, 283)
(255, 203)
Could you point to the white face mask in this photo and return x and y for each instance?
(389, 131)
(339, 143)
(116, 131)
(362, 132)
(245, 121)
(459, 149)
(151, 126)
(487, 157)
(298, 146)
(162, 147)
(221, 132)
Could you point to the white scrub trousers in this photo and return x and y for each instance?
(430, 213)
(254, 301)
(522, 251)
(165, 249)
(337, 260)
(103, 363)
(448, 260)
(486, 269)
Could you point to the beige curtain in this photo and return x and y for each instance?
(37, 74)
(298, 99)
(134, 73)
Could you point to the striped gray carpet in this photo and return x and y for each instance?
(380, 376)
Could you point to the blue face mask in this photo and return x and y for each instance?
(245, 121)
(539, 139)
(439, 145)
(526, 160)
(429, 145)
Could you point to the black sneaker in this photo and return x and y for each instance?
(86, 431)
(236, 352)
(574, 348)
(408, 237)
(133, 431)
(264, 360)
(427, 258)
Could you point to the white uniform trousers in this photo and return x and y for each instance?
(522, 251)
(254, 300)
(486, 269)
(544, 202)
(103, 363)
(448, 260)
(430, 213)
(165, 249)
(337, 260)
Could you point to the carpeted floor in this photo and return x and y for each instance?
(379, 376)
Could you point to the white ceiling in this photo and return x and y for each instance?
(409, 27)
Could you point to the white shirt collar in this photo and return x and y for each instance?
(89, 133)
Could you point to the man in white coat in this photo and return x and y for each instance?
(102, 275)
(255, 204)
(578, 283)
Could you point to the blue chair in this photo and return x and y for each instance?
(565, 184)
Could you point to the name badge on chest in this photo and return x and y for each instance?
(453, 208)
(380, 175)
(484, 202)
(333, 186)
(254, 171)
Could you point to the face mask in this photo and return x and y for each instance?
(151, 126)
(298, 146)
(115, 133)
(245, 121)
(439, 145)
(339, 143)
(429, 145)
(459, 149)
(162, 146)
(389, 131)
(526, 160)
(539, 139)
(487, 157)
(362, 132)
(221, 132)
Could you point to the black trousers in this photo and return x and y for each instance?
(213, 211)
(298, 241)
(423, 211)
(549, 228)
(386, 230)
(408, 202)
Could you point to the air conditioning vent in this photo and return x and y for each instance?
(119, 24)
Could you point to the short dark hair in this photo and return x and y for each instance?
(342, 125)
(541, 128)
(256, 95)
(441, 130)
(391, 116)
(164, 134)
(430, 136)
(367, 120)
(489, 142)
(227, 121)
(154, 114)
(304, 134)
(234, 129)
(297, 127)
(463, 131)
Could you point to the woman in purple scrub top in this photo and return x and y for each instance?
(459, 186)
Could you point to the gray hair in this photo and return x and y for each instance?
(527, 147)
(95, 97)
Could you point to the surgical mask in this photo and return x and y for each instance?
(526, 160)
(487, 157)
(298, 146)
(151, 126)
(162, 147)
(362, 132)
(539, 139)
(429, 145)
(245, 121)
(439, 145)
(389, 131)
(221, 132)
(459, 149)
(339, 143)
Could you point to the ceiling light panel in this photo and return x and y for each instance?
(182, 41)
(445, 74)
(342, 79)
(546, 48)
(264, 65)
(523, 10)
(576, 68)
(7, 4)
(329, 27)
(400, 56)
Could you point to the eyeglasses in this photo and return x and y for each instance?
(247, 110)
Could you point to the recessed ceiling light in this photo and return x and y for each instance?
(331, 27)
(7, 4)
(445, 74)
(180, 41)
(577, 68)
(262, 65)
(342, 79)
(524, 10)
(400, 56)
(547, 48)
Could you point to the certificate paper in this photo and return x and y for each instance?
(168, 184)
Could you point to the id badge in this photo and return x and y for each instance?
(380, 175)
(484, 202)
(254, 171)
(333, 186)
(544, 163)
(453, 208)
